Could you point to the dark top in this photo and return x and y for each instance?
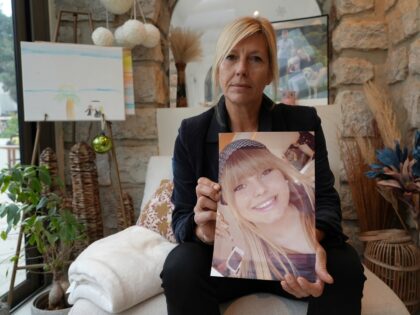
(196, 155)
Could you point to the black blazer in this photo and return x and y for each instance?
(196, 155)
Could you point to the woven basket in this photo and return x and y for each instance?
(128, 211)
(396, 260)
(48, 159)
(85, 204)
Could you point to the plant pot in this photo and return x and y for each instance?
(4, 309)
(40, 303)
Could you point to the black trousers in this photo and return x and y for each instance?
(190, 290)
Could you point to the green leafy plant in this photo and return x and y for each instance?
(49, 226)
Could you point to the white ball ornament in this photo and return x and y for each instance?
(119, 37)
(134, 32)
(102, 37)
(152, 36)
(117, 6)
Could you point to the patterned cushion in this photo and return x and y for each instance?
(157, 214)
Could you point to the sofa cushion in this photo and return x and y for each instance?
(157, 214)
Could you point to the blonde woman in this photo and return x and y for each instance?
(273, 206)
(245, 63)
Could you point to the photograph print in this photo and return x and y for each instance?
(302, 55)
(265, 225)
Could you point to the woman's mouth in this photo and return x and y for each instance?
(265, 205)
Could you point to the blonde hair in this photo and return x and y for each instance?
(235, 32)
(247, 162)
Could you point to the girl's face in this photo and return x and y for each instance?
(262, 197)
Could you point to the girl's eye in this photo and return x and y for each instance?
(256, 59)
(267, 171)
(239, 187)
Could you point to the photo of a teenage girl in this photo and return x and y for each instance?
(265, 225)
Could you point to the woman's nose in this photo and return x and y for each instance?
(241, 67)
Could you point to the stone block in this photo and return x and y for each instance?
(132, 162)
(85, 131)
(388, 4)
(397, 65)
(109, 200)
(141, 53)
(351, 71)
(139, 126)
(151, 83)
(356, 116)
(151, 9)
(347, 206)
(361, 35)
(414, 57)
(104, 171)
(403, 20)
(95, 7)
(353, 6)
(411, 101)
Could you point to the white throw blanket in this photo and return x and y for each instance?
(121, 270)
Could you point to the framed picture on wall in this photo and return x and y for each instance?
(302, 55)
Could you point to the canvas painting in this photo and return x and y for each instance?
(72, 82)
(302, 56)
(265, 226)
(128, 83)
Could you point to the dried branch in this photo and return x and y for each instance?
(380, 105)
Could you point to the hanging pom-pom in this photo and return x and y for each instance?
(117, 6)
(134, 32)
(119, 37)
(152, 36)
(102, 37)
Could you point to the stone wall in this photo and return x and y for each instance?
(378, 40)
(135, 139)
(371, 39)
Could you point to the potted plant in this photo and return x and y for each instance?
(49, 226)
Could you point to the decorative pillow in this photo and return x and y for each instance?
(157, 214)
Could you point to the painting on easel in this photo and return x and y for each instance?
(70, 82)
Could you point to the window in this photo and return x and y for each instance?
(19, 21)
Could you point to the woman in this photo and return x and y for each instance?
(245, 62)
(273, 206)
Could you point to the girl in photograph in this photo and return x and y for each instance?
(273, 206)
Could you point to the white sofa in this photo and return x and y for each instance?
(378, 298)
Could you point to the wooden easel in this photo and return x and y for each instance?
(59, 142)
(58, 126)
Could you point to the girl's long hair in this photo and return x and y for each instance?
(247, 162)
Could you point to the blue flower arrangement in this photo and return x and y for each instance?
(398, 175)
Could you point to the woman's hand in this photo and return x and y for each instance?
(300, 287)
(208, 195)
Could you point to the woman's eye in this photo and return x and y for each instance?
(230, 57)
(239, 187)
(267, 171)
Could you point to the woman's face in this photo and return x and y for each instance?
(263, 197)
(245, 71)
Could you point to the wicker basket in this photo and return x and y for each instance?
(128, 211)
(396, 260)
(84, 176)
(48, 159)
